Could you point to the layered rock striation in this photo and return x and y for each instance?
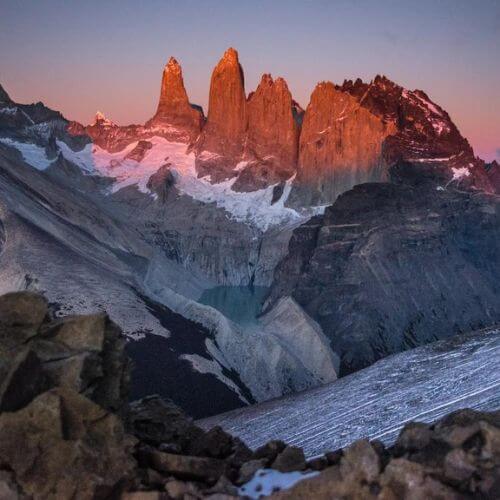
(393, 265)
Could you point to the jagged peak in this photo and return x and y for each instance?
(4, 97)
(231, 55)
(173, 66)
(100, 119)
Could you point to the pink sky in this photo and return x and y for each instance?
(109, 56)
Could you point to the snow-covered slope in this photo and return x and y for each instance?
(254, 207)
(422, 384)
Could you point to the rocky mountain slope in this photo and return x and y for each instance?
(392, 266)
(67, 431)
(142, 220)
(422, 384)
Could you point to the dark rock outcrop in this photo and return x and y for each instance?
(162, 182)
(392, 266)
(139, 152)
(175, 114)
(84, 353)
(493, 170)
(4, 97)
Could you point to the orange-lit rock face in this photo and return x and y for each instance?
(174, 110)
(272, 136)
(340, 146)
(272, 130)
(222, 139)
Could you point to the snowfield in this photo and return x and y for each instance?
(253, 207)
(422, 384)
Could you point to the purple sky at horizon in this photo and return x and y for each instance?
(79, 57)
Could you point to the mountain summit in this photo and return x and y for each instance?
(174, 110)
(4, 97)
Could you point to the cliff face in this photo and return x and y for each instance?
(272, 136)
(220, 145)
(349, 134)
(340, 146)
(391, 266)
(174, 112)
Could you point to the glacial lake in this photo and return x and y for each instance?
(240, 304)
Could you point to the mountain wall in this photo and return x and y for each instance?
(393, 265)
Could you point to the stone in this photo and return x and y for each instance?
(85, 332)
(491, 446)
(143, 495)
(318, 463)
(161, 423)
(24, 381)
(248, 469)
(340, 146)
(178, 489)
(333, 457)
(405, 479)
(222, 487)
(290, 459)
(22, 309)
(60, 438)
(269, 451)
(8, 488)
(413, 437)
(86, 353)
(187, 467)
(360, 462)
(271, 144)
(457, 466)
(215, 443)
(140, 151)
(162, 183)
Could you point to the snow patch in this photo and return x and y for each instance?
(459, 173)
(32, 154)
(251, 207)
(267, 481)
(204, 365)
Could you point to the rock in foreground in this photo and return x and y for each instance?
(66, 431)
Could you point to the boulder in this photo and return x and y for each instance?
(62, 445)
(290, 459)
(207, 470)
(159, 422)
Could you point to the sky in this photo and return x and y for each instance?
(108, 55)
